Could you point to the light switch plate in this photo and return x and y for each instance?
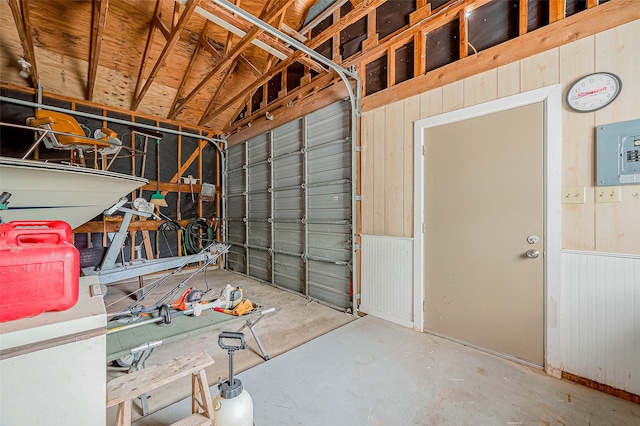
(573, 195)
(608, 194)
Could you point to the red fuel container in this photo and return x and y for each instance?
(39, 268)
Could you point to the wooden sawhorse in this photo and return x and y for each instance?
(121, 390)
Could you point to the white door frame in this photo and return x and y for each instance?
(552, 98)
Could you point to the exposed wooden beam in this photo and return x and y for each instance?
(305, 106)
(147, 48)
(463, 38)
(263, 37)
(220, 66)
(230, 57)
(576, 27)
(252, 86)
(171, 43)
(99, 21)
(340, 24)
(440, 17)
(176, 15)
(293, 97)
(420, 56)
(256, 72)
(20, 13)
(420, 13)
(164, 30)
(556, 10)
(523, 22)
(192, 61)
(215, 96)
(323, 15)
(206, 45)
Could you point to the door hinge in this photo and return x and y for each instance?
(423, 227)
(424, 149)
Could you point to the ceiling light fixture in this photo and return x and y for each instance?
(24, 72)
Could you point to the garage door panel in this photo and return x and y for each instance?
(289, 137)
(289, 237)
(288, 204)
(330, 241)
(287, 171)
(293, 186)
(289, 272)
(327, 283)
(236, 259)
(259, 234)
(259, 264)
(259, 206)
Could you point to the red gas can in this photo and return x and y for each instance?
(39, 268)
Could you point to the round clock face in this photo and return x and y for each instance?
(593, 91)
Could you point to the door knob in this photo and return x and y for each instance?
(533, 254)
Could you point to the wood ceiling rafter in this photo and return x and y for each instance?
(436, 19)
(229, 58)
(214, 98)
(164, 30)
(338, 25)
(524, 17)
(270, 41)
(201, 46)
(20, 12)
(253, 86)
(298, 94)
(225, 62)
(354, 15)
(171, 43)
(99, 21)
(322, 16)
(147, 48)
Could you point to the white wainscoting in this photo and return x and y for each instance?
(387, 278)
(600, 317)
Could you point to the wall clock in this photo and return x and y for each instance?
(593, 92)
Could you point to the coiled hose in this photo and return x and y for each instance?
(197, 235)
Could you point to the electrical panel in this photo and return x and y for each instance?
(618, 153)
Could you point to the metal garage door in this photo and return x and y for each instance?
(289, 206)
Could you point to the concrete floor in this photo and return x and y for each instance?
(372, 372)
(295, 321)
(327, 368)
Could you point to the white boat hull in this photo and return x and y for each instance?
(49, 191)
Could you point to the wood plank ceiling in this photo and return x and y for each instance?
(194, 62)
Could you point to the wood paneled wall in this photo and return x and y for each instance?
(387, 139)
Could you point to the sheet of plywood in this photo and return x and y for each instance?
(577, 59)
(431, 103)
(481, 88)
(509, 79)
(379, 171)
(539, 70)
(394, 157)
(411, 114)
(453, 96)
(617, 225)
(367, 171)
